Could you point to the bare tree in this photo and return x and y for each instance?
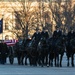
(23, 19)
(69, 14)
(63, 14)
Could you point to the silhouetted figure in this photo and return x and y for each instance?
(44, 33)
(36, 35)
(57, 33)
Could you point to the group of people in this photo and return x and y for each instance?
(56, 34)
(38, 35)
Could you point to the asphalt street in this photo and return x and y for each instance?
(16, 69)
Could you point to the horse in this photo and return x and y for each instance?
(42, 49)
(19, 52)
(57, 49)
(31, 50)
(70, 51)
(26, 43)
(51, 44)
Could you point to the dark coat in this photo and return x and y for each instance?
(74, 34)
(4, 50)
(57, 33)
(26, 42)
(36, 36)
(44, 34)
(70, 35)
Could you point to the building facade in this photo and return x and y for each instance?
(7, 13)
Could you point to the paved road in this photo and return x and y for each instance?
(16, 69)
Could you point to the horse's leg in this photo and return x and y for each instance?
(51, 56)
(49, 60)
(26, 60)
(42, 61)
(31, 60)
(35, 61)
(68, 60)
(55, 60)
(61, 60)
(51, 63)
(72, 60)
(18, 58)
(58, 60)
(39, 60)
(46, 59)
(22, 58)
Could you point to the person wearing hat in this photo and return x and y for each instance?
(36, 35)
(57, 33)
(26, 41)
(44, 33)
(71, 34)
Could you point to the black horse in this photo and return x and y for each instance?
(19, 52)
(31, 50)
(57, 49)
(51, 43)
(70, 51)
(27, 43)
(42, 52)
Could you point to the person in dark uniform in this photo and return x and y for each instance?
(26, 41)
(4, 53)
(44, 33)
(57, 33)
(36, 35)
(71, 34)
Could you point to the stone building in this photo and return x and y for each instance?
(7, 13)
